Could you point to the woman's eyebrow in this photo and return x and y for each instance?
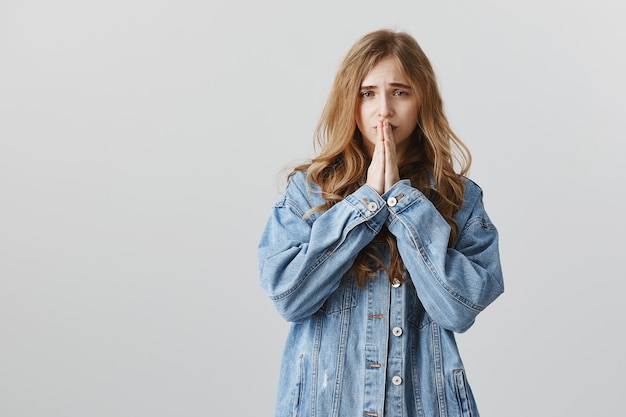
(397, 85)
(400, 85)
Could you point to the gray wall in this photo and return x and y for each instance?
(140, 147)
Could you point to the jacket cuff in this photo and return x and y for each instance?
(370, 205)
(401, 196)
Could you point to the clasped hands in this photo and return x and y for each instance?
(383, 172)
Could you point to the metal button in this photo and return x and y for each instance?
(396, 380)
(397, 331)
(372, 206)
(396, 283)
(391, 201)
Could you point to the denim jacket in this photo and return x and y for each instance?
(384, 348)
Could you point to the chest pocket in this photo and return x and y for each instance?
(344, 298)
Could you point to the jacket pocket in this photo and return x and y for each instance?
(344, 298)
(463, 396)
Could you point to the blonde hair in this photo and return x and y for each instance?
(342, 163)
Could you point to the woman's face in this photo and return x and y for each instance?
(386, 95)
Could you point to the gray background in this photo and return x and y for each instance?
(141, 144)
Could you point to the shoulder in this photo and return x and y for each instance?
(472, 192)
(300, 192)
(297, 179)
(473, 210)
(472, 201)
(298, 185)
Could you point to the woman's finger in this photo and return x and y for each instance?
(376, 170)
(392, 175)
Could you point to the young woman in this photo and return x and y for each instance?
(379, 251)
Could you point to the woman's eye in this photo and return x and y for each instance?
(400, 93)
(366, 94)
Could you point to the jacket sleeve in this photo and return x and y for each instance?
(454, 284)
(302, 259)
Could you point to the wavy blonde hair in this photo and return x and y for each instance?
(341, 165)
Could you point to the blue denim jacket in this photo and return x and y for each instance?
(384, 348)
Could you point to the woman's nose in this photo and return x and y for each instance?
(384, 109)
